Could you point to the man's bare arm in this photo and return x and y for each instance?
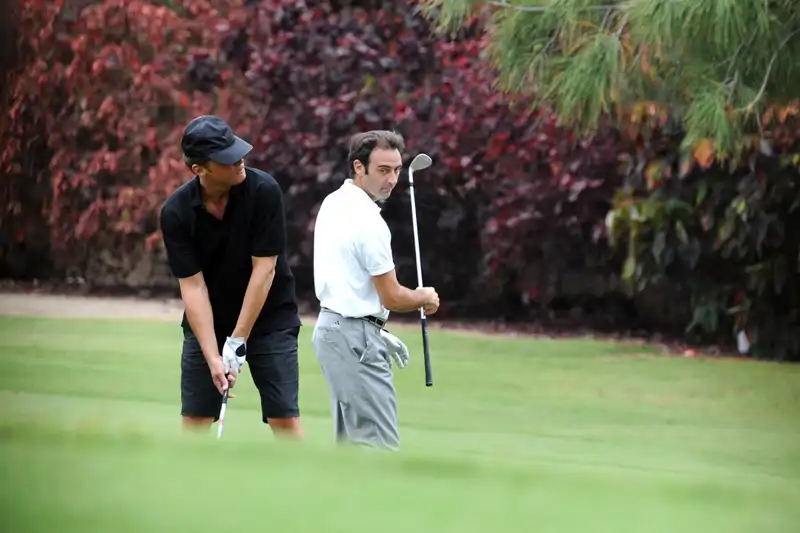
(395, 297)
(257, 290)
(198, 311)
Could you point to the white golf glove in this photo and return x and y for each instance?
(233, 354)
(396, 349)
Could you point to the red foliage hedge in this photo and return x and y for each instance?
(101, 100)
(107, 86)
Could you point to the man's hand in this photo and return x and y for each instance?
(218, 374)
(396, 349)
(233, 355)
(431, 304)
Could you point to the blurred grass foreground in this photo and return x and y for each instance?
(515, 435)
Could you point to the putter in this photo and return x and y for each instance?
(420, 162)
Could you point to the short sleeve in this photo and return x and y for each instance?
(374, 249)
(269, 222)
(181, 254)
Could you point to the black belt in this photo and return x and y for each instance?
(375, 321)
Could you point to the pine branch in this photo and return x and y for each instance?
(588, 59)
(542, 9)
(763, 88)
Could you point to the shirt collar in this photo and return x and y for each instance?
(197, 192)
(351, 188)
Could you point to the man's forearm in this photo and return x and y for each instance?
(405, 300)
(201, 318)
(257, 290)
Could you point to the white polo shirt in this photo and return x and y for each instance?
(352, 243)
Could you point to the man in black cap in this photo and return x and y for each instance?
(224, 232)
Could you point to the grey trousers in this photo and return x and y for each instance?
(353, 359)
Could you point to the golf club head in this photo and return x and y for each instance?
(421, 161)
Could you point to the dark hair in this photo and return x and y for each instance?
(191, 161)
(362, 145)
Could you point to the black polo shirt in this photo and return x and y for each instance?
(253, 225)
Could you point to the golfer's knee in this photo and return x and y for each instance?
(286, 426)
(196, 423)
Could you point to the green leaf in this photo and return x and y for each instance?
(680, 229)
(650, 210)
(727, 228)
(676, 207)
(614, 219)
(659, 243)
(702, 193)
(739, 206)
(629, 268)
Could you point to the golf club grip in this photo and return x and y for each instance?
(223, 408)
(428, 378)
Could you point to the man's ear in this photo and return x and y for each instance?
(198, 169)
(358, 168)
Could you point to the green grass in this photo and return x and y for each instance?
(515, 435)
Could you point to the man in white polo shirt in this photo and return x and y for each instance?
(356, 284)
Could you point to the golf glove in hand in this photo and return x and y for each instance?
(233, 354)
(396, 349)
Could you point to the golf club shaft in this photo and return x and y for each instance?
(422, 319)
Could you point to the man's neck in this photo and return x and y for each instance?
(213, 192)
(360, 185)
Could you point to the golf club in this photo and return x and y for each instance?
(222, 413)
(420, 162)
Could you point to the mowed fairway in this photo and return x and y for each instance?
(516, 435)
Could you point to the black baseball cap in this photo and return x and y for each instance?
(209, 137)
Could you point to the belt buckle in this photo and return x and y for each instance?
(376, 321)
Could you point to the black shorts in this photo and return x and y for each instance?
(271, 360)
